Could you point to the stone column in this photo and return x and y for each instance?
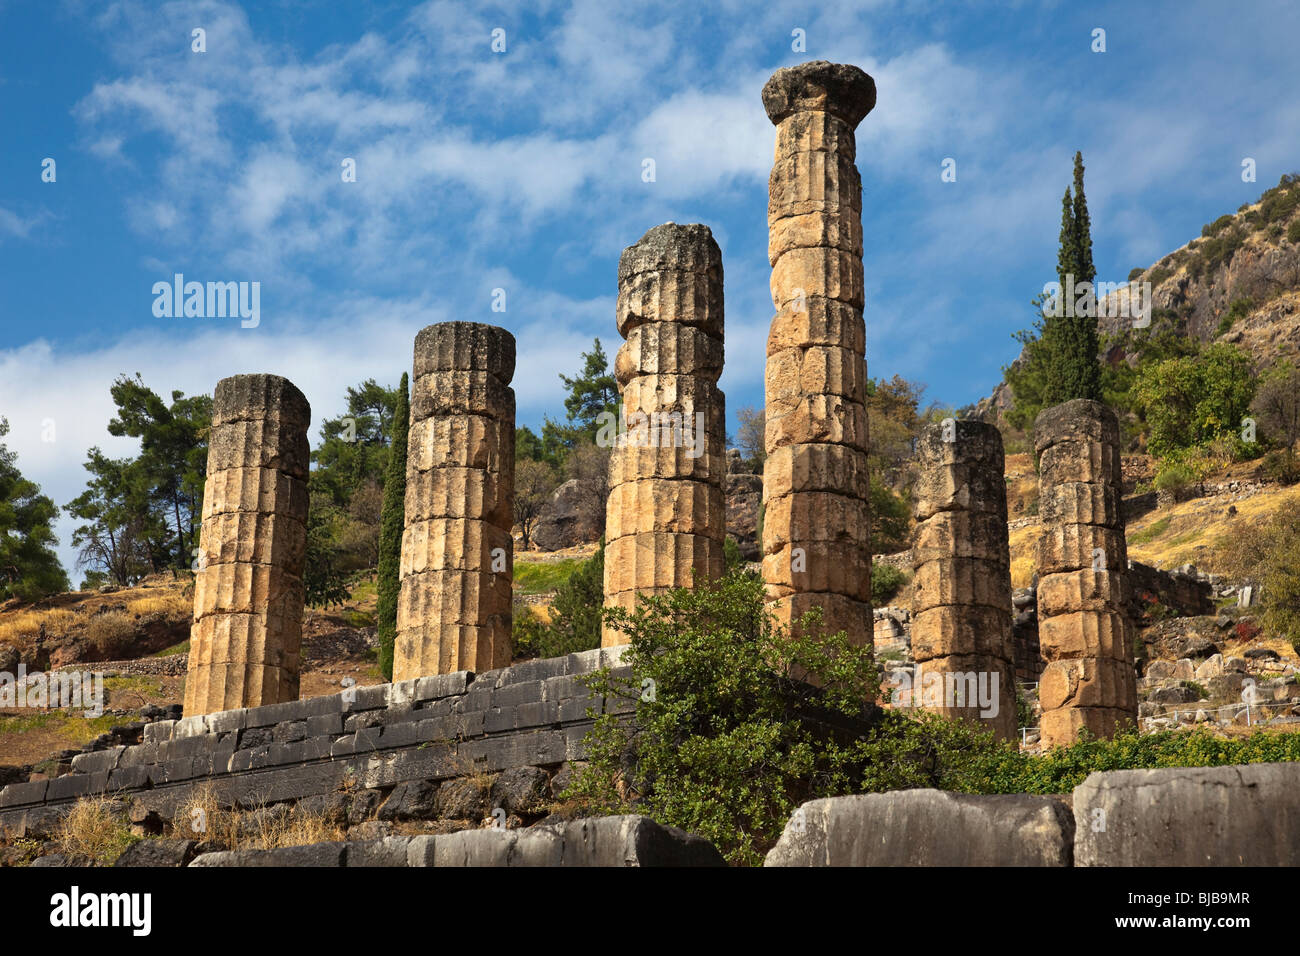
(961, 592)
(1084, 630)
(248, 592)
(454, 610)
(816, 539)
(666, 518)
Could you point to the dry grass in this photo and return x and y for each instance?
(1195, 531)
(94, 828)
(202, 817)
(21, 629)
(170, 604)
(112, 632)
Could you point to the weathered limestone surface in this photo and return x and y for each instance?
(1084, 628)
(927, 828)
(816, 539)
(1190, 816)
(248, 590)
(961, 606)
(666, 517)
(454, 611)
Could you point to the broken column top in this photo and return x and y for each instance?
(465, 346)
(1079, 419)
(972, 441)
(840, 89)
(242, 397)
(685, 248)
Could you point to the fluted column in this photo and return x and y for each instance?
(666, 518)
(816, 527)
(454, 610)
(1084, 631)
(248, 591)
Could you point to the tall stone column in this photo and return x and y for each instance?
(454, 610)
(1084, 630)
(816, 538)
(248, 592)
(961, 595)
(666, 518)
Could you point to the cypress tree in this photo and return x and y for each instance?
(1071, 340)
(392, 521)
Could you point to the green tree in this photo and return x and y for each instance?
(391, 524)
(325, 578)
(721, 747)
(576, 611)
(1059, 360)
(592, 392)
(114, 539)
(1190, 401)
(29, 568)
(170, 469)
(354, 446)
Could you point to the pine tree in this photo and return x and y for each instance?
(392, 521)
(29, 568)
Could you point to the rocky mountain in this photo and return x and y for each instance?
(1238, 282)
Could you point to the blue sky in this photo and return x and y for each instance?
(522, 170)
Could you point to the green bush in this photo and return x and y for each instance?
(575, 615)
(1192, 400)
(1135, 273)
(1216, 227)
(718, 747)
(1268, 554)
(1239, 309)
(1293, 231)
(1159, 275)
(886, 582)
(1280, 467)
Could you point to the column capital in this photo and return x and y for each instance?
(840, 89)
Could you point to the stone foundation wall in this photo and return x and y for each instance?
(367, 742)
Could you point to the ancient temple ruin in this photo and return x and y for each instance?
(665, 513)
(665, 519)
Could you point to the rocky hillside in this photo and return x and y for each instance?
(1238, 282)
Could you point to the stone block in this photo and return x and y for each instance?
(1189, 817)
(927, 828)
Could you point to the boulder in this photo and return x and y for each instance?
(927, 828)
(1189, 816)
(521, 790)
(158, 853)
(570, 518)
(598, 841)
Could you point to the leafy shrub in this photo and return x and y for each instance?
(1281, 467)
(575, 615)
(718, 747)
(886, 582)
(1239, 309)
(1216, 227)
(1159, 275)
(1135, 273)
(1293, 231)
(1175, 477)
(1268, 553)
(1246, 630)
